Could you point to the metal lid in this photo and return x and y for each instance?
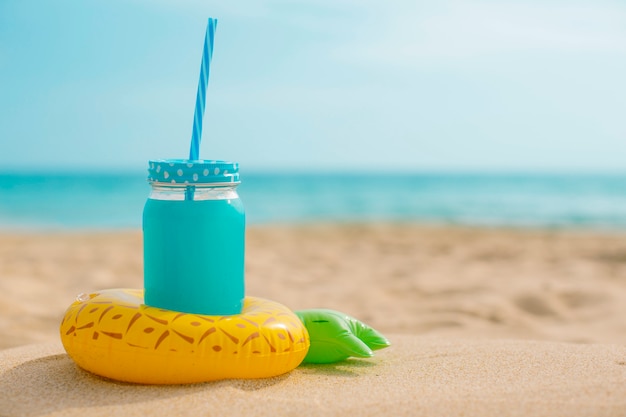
(185, 171)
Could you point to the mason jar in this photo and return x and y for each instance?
(194, 237)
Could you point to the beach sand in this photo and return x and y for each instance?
(484, 322)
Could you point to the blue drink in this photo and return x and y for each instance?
(194, 238)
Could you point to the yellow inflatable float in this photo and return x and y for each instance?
(113, 334)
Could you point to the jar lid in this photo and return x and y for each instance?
(185, 171)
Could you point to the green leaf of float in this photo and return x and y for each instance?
(371, 337)
(335, 336)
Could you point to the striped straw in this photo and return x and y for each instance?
(207, 54)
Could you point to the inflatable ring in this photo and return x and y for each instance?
(113, 334)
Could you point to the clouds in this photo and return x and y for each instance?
(326, 83)
(418, 35)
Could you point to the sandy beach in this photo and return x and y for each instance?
(483, 322)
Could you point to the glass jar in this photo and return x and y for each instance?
(194, 237)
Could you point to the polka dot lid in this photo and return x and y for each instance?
(184, 171)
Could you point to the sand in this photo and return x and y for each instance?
(416, 377)
(484, 322)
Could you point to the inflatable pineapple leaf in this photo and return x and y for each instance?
(335, 336)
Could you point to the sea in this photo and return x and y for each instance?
(104, 201)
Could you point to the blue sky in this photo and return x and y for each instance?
(320, 84)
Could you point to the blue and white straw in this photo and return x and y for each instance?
(207, 54)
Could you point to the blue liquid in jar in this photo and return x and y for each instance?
(194, 255)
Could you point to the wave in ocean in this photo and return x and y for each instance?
(115, 201)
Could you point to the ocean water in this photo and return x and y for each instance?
(115, 201)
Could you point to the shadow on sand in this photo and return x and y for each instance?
(54, 383)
